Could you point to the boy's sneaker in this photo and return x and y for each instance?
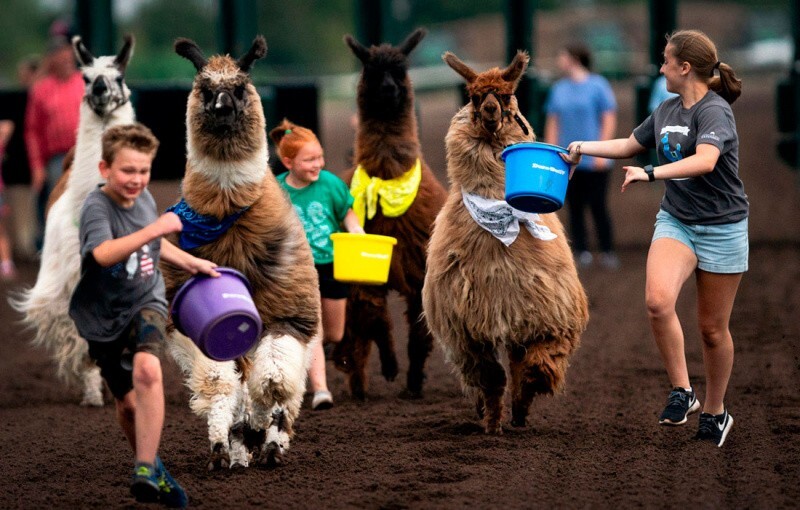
(170, 493)
(680, 404)
(144, 486)
(714, 428)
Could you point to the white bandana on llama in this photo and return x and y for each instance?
(502, 221)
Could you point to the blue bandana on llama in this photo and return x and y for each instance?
(200, 229)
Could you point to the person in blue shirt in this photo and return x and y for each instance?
(581, 106)
(323, 202)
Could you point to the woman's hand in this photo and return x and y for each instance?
(633, 174)
(574, 156)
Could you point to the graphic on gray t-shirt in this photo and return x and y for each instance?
(714, 198)
(106, 298)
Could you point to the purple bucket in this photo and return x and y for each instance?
(218, 314)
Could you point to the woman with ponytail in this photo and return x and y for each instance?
(701, 229)
(323, 202)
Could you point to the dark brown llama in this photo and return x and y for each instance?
(387, 148)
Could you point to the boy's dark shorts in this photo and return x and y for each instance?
(328, 287)
(145, 333)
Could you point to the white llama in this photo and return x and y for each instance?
(106, 103)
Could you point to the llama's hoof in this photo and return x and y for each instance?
(238, 465)
(414, 383)
(408, 394)
(273, 456)
(93, 401)
(519, 422)
(389, 368)
(220, 458)
(493, 428)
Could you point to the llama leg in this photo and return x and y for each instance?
(537, 369)
(216, 394)
(239, 453)
(420, 344)
(367, 320)
(92, 385)
(276, 385)
(484, 379)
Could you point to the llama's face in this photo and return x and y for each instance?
(491, 93)
(384, 89)
(384, 80)
(222, 98)
(491, 101)
(104, 77)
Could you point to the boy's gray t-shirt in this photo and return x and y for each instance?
(106, 298)
(714, 198)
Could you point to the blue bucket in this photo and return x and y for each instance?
(536, 176)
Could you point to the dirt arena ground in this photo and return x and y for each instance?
(596, 445)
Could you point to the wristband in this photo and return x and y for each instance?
(578, 148)
(648, 169)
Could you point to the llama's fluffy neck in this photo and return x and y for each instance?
(473, 160)
(228, 174)
(387, 149)
(85, 175)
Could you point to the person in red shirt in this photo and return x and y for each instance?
(51, 120)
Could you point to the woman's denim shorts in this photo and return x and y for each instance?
(718, 248)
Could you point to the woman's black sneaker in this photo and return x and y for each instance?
(680, 404)
(714, 428)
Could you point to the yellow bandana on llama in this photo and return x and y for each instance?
(396, 195)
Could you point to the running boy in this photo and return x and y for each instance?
(119, 304)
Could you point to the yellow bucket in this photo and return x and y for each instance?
(362, 258)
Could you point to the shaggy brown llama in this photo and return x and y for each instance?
(251, 403)
(387, 147)
(482, 295)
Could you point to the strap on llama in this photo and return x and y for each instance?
(502, 221)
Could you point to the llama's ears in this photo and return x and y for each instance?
(83, 55)
(516, 68)
(412, 41)
(257, 51)
(189, 50)
(358, 49)
(458, 66)
(125, 53)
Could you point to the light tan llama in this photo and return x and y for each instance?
(488, 288)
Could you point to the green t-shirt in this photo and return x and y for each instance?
(321, 206)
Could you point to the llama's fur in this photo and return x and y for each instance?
(481, 296)
(387, 146)
(46, 305)
(251, 403)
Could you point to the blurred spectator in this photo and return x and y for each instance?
(51, 119)
(7, 269)
(581, 106)
(29, 69)
(659, 93)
